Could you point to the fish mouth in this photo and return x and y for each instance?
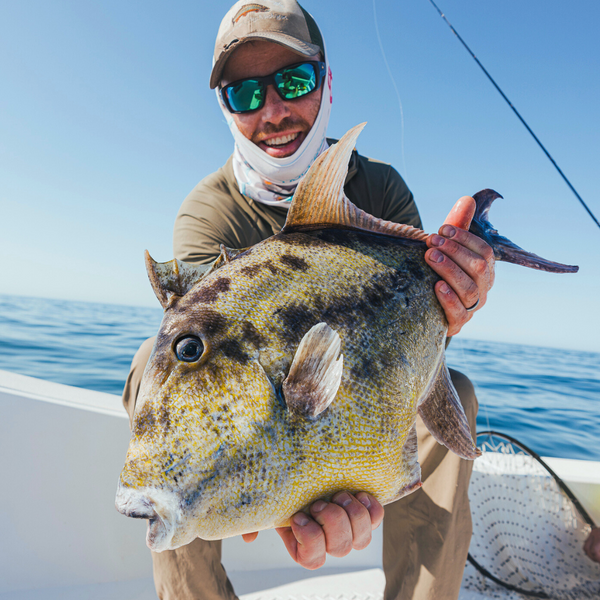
(158, 507)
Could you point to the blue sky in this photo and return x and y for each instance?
(107, 122)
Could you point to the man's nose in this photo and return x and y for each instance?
(275, 109)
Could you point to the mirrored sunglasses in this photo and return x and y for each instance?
(293, 81)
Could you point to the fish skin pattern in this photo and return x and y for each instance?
(217, 434)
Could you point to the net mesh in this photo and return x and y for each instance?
(526, 531)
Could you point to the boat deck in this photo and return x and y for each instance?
(63, 540)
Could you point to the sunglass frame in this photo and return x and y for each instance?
(318, 66)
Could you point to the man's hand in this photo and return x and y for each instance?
(464, 262)
(335, 528)
(592, 545)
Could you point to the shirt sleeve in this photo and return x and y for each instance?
(196, 234)
(215, 213)
(399, 202)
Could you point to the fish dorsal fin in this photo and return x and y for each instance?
(175, 277)
(320, 202)
(316, 372)
(445, 417)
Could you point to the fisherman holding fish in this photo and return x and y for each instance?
(273, 83)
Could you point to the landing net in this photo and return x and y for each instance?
(528, 529)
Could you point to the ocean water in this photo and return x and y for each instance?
(546, 398)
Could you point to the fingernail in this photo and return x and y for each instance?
(318, 506)
(444, 288)
(437, 240)
(448, 231)
(436, 256)
(364, 500)
(300, 519)
(343, 499)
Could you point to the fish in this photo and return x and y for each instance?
(294, 369)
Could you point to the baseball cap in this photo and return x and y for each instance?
(284, 22)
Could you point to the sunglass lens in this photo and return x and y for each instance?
(296, 81)
(246, 95)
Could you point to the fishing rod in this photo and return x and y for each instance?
(517, 113)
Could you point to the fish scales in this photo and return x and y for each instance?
(283, 287)
(290, 371)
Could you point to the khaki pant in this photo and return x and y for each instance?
(426, 535)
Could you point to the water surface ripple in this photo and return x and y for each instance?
(546, 398)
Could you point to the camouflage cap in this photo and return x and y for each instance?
(284, 22)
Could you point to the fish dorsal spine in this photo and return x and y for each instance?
(320, 202)
(175, 277)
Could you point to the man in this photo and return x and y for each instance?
(273, 83)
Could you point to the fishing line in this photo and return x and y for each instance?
(404, 173)
(516, 113)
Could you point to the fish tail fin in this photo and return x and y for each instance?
(503, 248)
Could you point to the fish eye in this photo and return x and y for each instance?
(189, 349)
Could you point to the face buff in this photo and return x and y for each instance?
(273, 180)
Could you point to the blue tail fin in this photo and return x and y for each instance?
(503, 248)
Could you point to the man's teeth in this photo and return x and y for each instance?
(279, 141)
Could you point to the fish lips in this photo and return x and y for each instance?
(160, 507)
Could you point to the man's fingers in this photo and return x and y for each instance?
(336, 524)
(459, 238)
(462, 213)
(478, 272)
(289, 540)
(249, 537)
(592, 545)
(336, 527)
(310, 537)
(455, 311)
(468, 290)
(373, 506)
(360, 519)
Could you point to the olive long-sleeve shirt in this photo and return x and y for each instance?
(215, 212)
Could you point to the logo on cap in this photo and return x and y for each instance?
(247, 9)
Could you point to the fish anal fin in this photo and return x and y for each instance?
(445, 417)
(410, 458)
(175, 277)
(319, 201)
(316, 372)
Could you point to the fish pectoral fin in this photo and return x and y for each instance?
(445, 417)
(320, 203)
(316, 372)
(175, 277)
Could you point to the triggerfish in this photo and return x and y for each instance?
(294, 369)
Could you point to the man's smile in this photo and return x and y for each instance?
(281, 140)
(280, 145)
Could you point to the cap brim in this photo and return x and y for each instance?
(298, 46)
